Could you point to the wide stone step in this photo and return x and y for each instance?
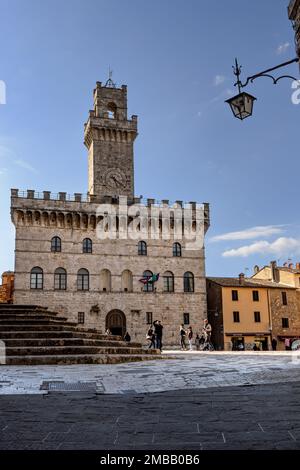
(34, 321)
(31, 334)
(75, 350)
(15, 326)
(22, 307)
(24, 317)
(49, 342)
(79, 359)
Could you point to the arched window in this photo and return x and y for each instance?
(188, 282)
(176, 249)
(112, 110)
(36, 278)
(168, 281)
(142, 248)
(105, 280)
(56, 244)
(83, 279)
(87, 245)
(127, 281)
(60, 279)
(148, 286)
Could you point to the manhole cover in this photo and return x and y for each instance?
(69, 386)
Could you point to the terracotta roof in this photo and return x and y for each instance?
(235, 282)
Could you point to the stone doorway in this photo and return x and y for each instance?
(116, 322)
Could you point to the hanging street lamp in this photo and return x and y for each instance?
(242, 104)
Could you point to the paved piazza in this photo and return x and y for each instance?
(195, 401)
(183, 371)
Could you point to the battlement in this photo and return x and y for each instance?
(63, 197)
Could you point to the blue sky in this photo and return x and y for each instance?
(176, 57)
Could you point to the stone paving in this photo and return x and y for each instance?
(197, 401)
(186, 371)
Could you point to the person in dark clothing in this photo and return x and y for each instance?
(182, 337)
(274, 344)
(158, 334)
(127, 337)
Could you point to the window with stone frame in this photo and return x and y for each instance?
(83, 279)
(284, 298)
(149, 318)
(36, 278)
(56, 245)
(60, 279)
(176, 249)
(87, 245)
(186, 318)
(81, 317)
(148, 286)
(168, 278)
(142, 248)
(188, 282)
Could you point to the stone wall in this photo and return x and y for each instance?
(37, 221)
(291, 311)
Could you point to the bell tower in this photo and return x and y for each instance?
(109, 137)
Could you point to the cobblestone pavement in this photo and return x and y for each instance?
(246, 417)
(186, 371)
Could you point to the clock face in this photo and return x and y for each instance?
(115, 179)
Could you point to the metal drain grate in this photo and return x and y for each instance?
(69, 386)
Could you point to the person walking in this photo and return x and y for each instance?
(190, 337)
(287, 344)
(151, 337)
(182, 337)
(274, 344)
(158, 334)
(197, 342)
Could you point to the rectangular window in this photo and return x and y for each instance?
(236, 317)
(285, 323)
(80, 317)
(234, 295)
(186, 318)
(149, 318)
(284, 298)
(257, 317)
(255, 295)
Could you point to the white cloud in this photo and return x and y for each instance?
(249, 233)
(25, 165)
(282, 48)
(219, 79)
(280, 247)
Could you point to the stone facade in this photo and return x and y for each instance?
(7, 287)
(115, 297)
(294, 16)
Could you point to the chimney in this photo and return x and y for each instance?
(274, 271)
(285, 265)
(298, 266)
(291, 266)
(241, 278)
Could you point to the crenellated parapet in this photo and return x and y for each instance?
(46, 209)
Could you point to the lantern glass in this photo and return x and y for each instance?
(241, 105)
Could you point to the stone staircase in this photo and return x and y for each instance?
(33, 335)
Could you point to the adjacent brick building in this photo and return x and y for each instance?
(7, 287)
(64, 261)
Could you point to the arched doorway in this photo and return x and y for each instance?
(116, 322)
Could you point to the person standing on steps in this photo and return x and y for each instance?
(151, 337)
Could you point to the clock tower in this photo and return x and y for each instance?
(109, 138)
